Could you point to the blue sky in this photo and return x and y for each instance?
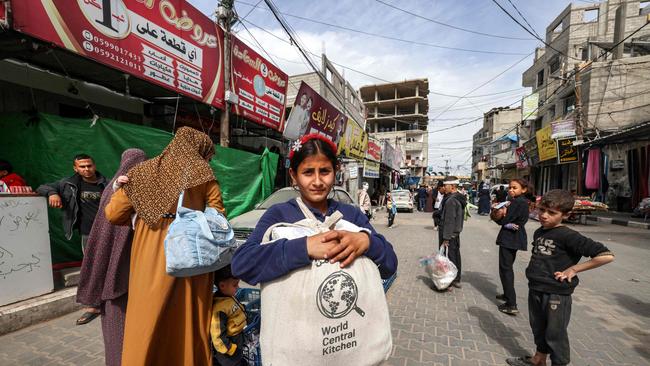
(449, 71)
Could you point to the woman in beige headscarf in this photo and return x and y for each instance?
(167, 318)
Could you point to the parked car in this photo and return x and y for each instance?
(403, 199)
(244, 224)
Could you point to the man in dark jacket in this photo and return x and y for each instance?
(79, 197)
(451, 222)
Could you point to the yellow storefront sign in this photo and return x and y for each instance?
(354, 141)
(545, 144)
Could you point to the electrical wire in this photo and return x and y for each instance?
(452, 26)
(419, 43)
(524, 18)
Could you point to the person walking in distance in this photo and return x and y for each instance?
(511, 238)
(79, 197)
(452, 216)
(391, 208)
(364, 200)
(501, 194)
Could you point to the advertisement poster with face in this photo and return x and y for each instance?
(167, 42)
(260, 86)
(311, 113)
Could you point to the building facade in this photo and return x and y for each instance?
(592, 79)
(493, 145)
(398, 113)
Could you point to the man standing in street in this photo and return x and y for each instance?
(422, 197)
(452, 216)
(79, 197)
(364, 200)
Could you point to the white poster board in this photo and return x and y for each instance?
(25, 256)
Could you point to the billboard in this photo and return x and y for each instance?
(566, 152)
(353, 142)
(529, 107)
(391, 157)
(260, 86)
(311, 113)
(166, 42)
(374, 149)
(545, 144)
(564, 128)
(370, 169)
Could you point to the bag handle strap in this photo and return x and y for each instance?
(329, 222)
(180, 200)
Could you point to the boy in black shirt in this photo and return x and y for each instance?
(552, 278)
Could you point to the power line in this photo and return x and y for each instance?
(531, 33)
(419, 43)
(524, 18)
(451, 26)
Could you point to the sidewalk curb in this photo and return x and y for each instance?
(608, 220)
(38, 309)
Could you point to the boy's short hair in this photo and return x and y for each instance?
(223, 274)
(450, 178)
(558, 199)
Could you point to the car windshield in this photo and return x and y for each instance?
(285, 195)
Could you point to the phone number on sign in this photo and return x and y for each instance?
(114, 57)
(94, 40)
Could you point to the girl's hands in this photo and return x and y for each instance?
(318, 246)
(350, 246)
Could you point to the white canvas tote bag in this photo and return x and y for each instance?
(323, 314)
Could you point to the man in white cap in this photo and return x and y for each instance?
(452, 216)
(364, 200)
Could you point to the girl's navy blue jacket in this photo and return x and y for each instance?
(517, 214)
(255, 263)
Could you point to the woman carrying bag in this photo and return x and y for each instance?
(167, 318)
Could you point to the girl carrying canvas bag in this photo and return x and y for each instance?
(320, 263)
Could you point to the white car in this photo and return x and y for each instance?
(403, 199)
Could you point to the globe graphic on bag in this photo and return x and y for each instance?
(337, 296)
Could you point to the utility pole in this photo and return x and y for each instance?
(225, 14)
(578, 121)
(517, 156)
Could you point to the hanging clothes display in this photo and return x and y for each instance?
(592, 173)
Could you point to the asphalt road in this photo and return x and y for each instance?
(610, 322)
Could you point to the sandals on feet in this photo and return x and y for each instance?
(520, 361)
(87, 317)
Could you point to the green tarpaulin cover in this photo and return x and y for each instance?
(41, 150)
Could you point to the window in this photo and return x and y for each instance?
(551, 113)
(540, 78)
(554, 65)
(569, 104)
(590, 16)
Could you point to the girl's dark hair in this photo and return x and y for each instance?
(530, 192)
(310, 148)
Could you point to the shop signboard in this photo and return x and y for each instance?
(370, 169)
(545, 144)
(566, 152)
(391, 156)
(530, 105)
(311, 113)
(260, 86)
(561, 129)
(166, 42)
(374, 149)
(353, 143)
(522, 157)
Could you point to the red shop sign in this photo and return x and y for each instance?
(167, 42)
(260, 87)
(374, 150)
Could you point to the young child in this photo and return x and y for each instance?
(552, 278)
(511, 238)
(228, 320)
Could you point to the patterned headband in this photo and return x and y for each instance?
(297, 145)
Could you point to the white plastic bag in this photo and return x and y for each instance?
(440, 269)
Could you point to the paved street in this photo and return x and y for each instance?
(611, 312)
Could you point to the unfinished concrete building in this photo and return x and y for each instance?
(398, 112)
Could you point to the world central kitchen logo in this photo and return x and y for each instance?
(337, 296)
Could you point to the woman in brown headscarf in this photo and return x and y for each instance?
(167, 318)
